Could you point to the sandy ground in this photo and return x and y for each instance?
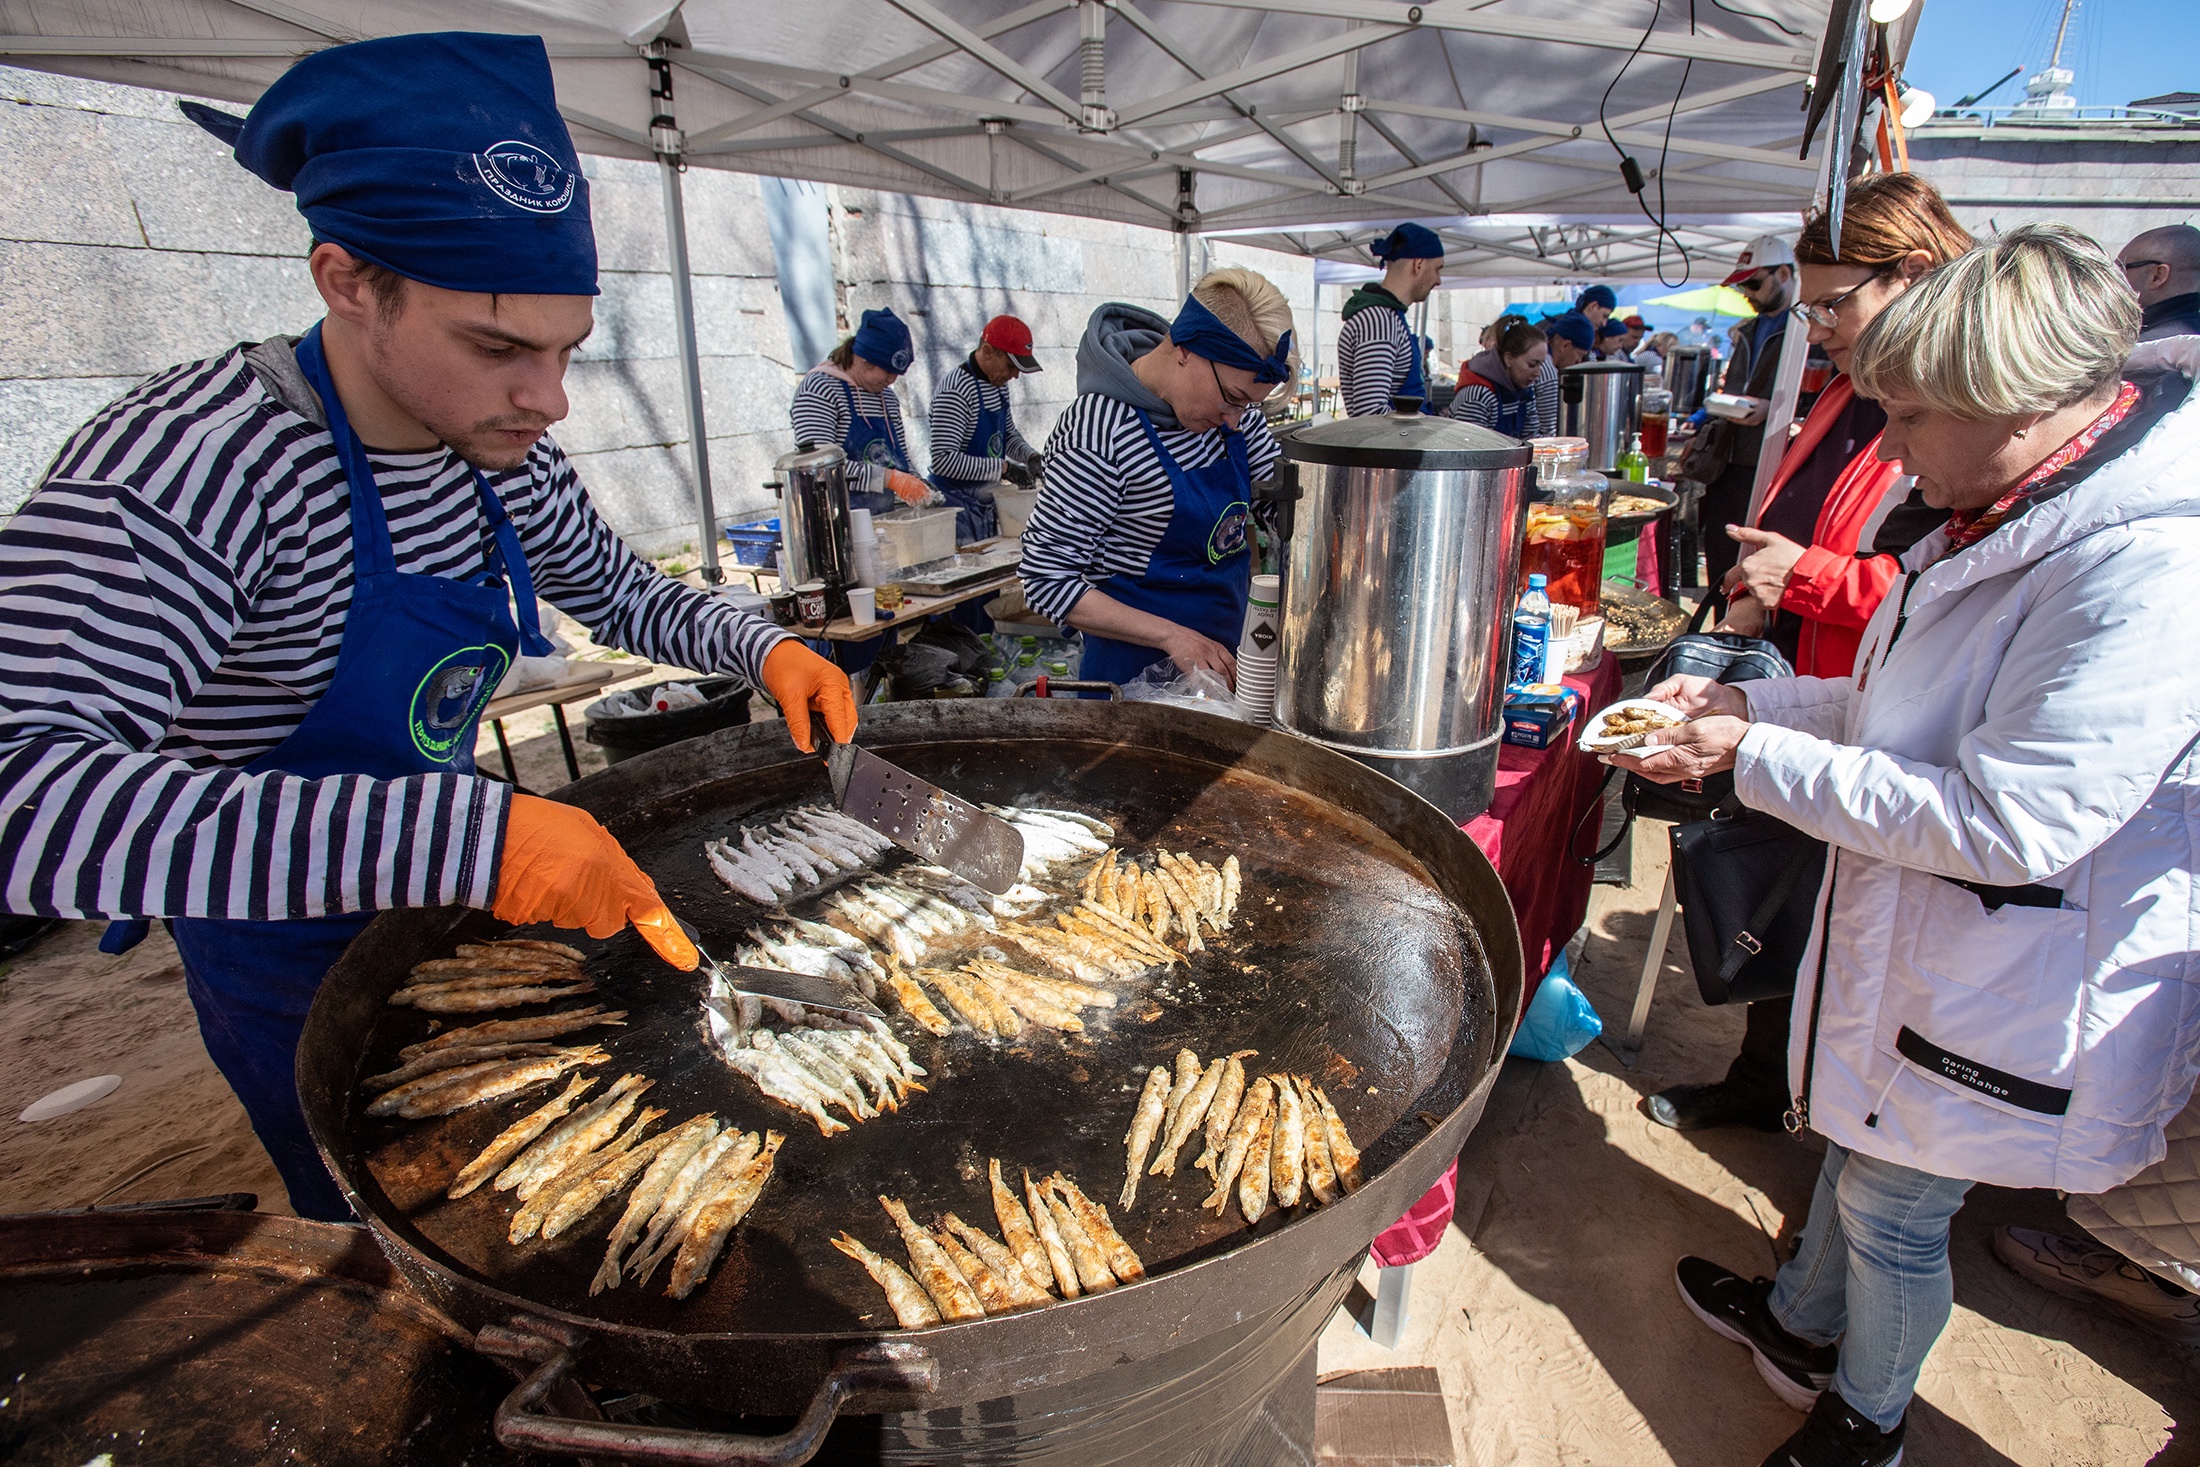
(1548, 1311)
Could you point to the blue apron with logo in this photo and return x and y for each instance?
(871, 441)
(1416, 383)
(419, 659)
(975, 516)
(1200, 575)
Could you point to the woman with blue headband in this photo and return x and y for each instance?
(1141, 536)
(849, 399)
(1378, 355)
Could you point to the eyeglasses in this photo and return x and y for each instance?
(1228, 401)
(2131, 265)
(1826, 313)
(1755, 282)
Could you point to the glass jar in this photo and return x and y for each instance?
(1566, 524)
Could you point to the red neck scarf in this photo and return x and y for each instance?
(1968, 527)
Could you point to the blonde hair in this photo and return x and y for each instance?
(2033, 321)
(1248, 303)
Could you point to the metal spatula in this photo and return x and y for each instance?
(922, 818)
(772, 983)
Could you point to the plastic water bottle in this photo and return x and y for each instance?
(997, 684)
(1026, 671)
(1531, 634)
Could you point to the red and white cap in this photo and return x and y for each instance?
(1761, 253)
(1007, 334)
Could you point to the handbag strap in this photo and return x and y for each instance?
(1746, 943)
(1596, 804)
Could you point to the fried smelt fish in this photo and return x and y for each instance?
(521, 944)
(1091, 1216)
(515, 1031)
(950, 1293)
(992, 1290)
(1321, 1172)
(590, 1127)
(468, 1085)
(515, 1138)
(681, 1145)
(1187, 910)
(528, 1220)
(708, 1190)
(1287, 1155)
(1145, 1125)
(1232, 884)
(446, 1059)
(1027, 1000)
(912, 1307)
(1229, 1096)
(1254, 1176)
(460, 1000)
(1343, 1155)
(708, 1232)
(1243, 1129)
(968, 1007)
(1023, 1290)
(1180, 1086)
(1017, 1228)
(1092, 1264)
(1189, 1115)
(607, 1179)
(914, 1003)
(680, 1191)
(1050, 1237)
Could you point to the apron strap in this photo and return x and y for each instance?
(511, 562)
(370, 529)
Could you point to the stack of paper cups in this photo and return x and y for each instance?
(862, 547)
(1256, 653)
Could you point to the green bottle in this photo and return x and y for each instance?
(1632, 466)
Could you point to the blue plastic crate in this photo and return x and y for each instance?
(754, 543)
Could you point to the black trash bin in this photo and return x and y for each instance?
(725, 705)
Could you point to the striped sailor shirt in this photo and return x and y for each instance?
(172, 600)
(1374, 353)
(820, 412)
(1106, 500)
(964, 394)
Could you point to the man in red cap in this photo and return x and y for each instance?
(1636, 326)
(1724, 456)
(974, 437)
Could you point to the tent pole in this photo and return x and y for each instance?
(691, 371)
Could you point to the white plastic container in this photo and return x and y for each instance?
(908, 537)
(1014, 507)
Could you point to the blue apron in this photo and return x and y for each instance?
(1200, 575)
(871, 442)
(975, 516)
(1416, 383)
(419, 659)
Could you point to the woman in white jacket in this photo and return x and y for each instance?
(2003, 987)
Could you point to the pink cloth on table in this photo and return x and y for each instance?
(1532, 832)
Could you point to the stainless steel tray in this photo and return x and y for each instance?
(933, 577)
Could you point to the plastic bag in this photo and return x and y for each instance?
(1199, 688)
(1560, 1020)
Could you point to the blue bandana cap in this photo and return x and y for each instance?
(1408, 242)
(1597, 295)
(883, 340)
(1611, 329)
(441, 157)
(1201, 332)
(1574, 328)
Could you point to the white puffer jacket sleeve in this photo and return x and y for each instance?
(1813, 705)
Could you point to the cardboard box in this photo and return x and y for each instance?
(1539, 715)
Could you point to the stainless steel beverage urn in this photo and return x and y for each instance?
(1688, 377)
(813, 518)
(1400, 574)
(1602, 402)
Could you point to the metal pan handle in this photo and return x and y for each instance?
(1047, 687)
(522, 1425)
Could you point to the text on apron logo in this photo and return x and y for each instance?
(525, 177)
(445, 702)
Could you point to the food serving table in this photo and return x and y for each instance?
(1532, 833)
(581, 680)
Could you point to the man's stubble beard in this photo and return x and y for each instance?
(472, 443)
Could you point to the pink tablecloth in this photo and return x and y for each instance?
(1532, 832)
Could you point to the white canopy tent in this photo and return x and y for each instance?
(1303, 125)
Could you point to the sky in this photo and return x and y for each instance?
(2121, 50)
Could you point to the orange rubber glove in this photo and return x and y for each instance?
(561, 867)
(800, 680)
(908, 488)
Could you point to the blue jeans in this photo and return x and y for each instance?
(1873, 1274)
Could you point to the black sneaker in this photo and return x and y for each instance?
(1708, 1107)
(1835, 1436)
(1736, 1308)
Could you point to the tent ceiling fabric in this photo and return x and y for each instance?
(1298, 124)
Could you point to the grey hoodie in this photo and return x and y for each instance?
(1116, 336)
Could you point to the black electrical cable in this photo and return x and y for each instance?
(1631, 171)
(1753, 15)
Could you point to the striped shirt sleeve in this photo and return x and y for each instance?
(820, 410)
(954, 414)
(1475, 404)
(1546, 400)
(1373, 353)
(113, 612)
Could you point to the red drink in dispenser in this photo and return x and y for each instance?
(1565, 535)
(1656, 418)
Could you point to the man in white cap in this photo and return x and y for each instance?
(1724, 457)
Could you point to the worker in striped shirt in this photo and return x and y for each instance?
(974, 439)
(251, 616)
(1378, 355)
(849, 399)
(1141, 538)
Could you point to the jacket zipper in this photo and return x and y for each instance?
(1798, 1116)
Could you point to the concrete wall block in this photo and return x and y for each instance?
(261, 296)
(191, 194)
(734, 315)
(641, 403)
(46, 89)
(63, 184)
(648, 495)
(727, 233)
(956, 251)
(37, 415)
(83, 311)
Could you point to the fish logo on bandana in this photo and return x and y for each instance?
(1227, 539)
(525, 177)
(447, 700)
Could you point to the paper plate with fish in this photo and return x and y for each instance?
(1626, 724)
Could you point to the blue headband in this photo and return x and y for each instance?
(441, 157)
(1408, 242)
(1201, 331)
(883, 340)
(1574, 328)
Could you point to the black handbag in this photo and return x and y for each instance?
(1747, 885)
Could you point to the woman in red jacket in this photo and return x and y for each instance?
(1823, 551)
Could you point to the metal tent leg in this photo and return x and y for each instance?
(1652, 961)
(691, 371)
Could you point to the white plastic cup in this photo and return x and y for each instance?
(862, 605)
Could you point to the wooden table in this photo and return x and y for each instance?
(581, 680)
(914, 609)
